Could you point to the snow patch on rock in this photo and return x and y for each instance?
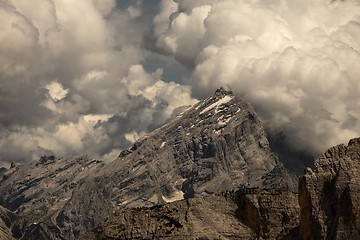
(221, 101)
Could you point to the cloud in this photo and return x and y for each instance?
(87, 76)
(72, 79)
(295, 61)
(151, 102)
(56, 91)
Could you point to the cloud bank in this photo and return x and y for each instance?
(91, 76)
(73, 81)
(297, 62)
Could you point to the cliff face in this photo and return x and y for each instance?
(245, 214)
(329, 195)
(271, 214)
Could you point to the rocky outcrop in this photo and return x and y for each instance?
(6, 221)
(329, 195)
(2, 171)
(271, 214)
(245, 214)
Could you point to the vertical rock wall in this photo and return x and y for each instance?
(329, 195)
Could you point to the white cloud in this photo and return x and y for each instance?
(177, 40)
(74, 74)
(295, 61)
(56, 91)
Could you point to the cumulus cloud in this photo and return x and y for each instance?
(86, 77)
(56, 91)
(72, 79)
(297, 62)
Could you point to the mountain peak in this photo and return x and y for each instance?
(223, 91)
(217, 145)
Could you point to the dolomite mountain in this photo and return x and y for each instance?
(218, 145)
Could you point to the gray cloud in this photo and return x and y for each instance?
(73, 81)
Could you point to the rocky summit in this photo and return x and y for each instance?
(209, 173)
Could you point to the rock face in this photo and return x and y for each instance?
(215, 146)
(271, 214)
(42, 194)
(246, 214)
(329, 195)
(6, 221)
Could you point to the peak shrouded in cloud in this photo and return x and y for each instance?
(86, 77)
(297, 62)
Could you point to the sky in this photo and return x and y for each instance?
(92, 76)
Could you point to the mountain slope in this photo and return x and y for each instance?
(215, 146)
(39, 191)
(327, 206)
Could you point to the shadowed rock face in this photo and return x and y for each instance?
(245, 214)
(329, 195)
(217, 145)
